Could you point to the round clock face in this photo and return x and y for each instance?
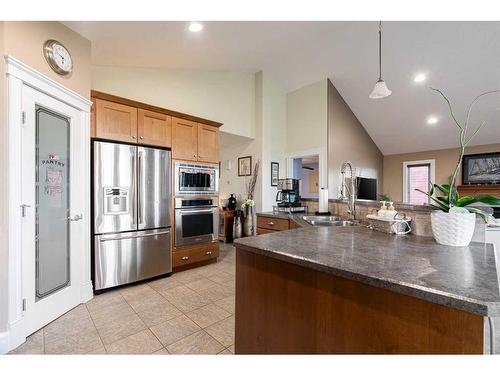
(58, 57)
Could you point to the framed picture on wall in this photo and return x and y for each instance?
(481, 168)
(275, 173)
(245, 166)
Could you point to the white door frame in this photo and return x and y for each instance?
(321, 152)
(18, 75)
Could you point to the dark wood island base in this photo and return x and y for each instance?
(283, 308)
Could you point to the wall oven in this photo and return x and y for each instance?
(196, 220)
(196, 179)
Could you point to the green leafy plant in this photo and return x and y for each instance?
(384, 197)
(448, 195)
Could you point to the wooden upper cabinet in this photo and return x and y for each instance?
(116, 121)
(92, 119)
(154, 128)
(208, 143)
(184, 139)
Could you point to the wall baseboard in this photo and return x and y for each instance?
(4, 342)
(86, 292)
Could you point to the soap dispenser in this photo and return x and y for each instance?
(383, 209)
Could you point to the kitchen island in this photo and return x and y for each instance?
(354, 290)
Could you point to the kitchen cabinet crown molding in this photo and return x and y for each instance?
(148, 107)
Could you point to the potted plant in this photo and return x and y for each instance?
(453, 220)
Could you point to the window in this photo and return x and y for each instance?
(417, 175)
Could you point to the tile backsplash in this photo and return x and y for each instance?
(420, 215)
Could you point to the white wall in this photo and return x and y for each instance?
(227, 97)
(274, 135)
(268, 146)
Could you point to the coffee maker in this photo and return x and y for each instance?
(288, 193)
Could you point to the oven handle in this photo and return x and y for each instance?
(191, 211)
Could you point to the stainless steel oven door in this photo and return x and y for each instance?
(196, 226)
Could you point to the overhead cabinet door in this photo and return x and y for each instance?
(116, 121)
(184, 139)
(208, 143)
(154, 128)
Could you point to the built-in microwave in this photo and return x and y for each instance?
(196, 179)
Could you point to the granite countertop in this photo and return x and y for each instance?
(465, 278)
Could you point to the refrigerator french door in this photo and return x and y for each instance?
(132, 221)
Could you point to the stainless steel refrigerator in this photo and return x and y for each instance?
(132, 219)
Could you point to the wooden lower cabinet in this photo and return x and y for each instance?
(269, 224)
(194, 254)
(284, 308)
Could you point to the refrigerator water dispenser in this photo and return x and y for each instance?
(115, 201)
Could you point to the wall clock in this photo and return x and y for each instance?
(58, 57)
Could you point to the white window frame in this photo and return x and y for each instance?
(406, 164)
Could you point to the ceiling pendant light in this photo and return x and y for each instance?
(380, 90)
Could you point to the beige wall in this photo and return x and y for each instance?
(24, 41)
(227, 97)
(348, 140)
(307, 117)
(445, 164)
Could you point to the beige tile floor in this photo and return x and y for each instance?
(190, 312)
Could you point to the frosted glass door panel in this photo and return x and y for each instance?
(52, 202)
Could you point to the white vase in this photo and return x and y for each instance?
(453, 229)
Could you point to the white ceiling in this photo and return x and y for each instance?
(461, 58)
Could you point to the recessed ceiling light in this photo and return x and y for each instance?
(432, 120)
(194, 27)
(419, 78)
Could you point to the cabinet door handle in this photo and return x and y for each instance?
(142, 137)
(270, 223)
(208, 253)
(133, 136)
(185, 258)
(194, 156)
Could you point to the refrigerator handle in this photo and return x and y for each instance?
(139, 186)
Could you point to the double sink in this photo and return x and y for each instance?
(328, 221)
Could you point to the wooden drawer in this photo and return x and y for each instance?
(195, 254)
(265, 231)
(272, 223)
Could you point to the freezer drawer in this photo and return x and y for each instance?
(127, 257)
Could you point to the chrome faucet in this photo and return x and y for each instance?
(348, 193)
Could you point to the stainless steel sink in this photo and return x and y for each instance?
(328, 221)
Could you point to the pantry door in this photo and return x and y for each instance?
(52, 173)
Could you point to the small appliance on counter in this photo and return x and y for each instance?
(288, 196)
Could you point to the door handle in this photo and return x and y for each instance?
(77, 217)
(23, 209)
(185, 258)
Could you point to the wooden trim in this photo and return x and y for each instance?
(148, 107)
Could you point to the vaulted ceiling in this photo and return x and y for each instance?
(461, 58)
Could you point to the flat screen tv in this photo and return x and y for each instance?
(367, 188)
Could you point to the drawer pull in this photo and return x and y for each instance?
(185, 258)
(270, 223)
(208, 253)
